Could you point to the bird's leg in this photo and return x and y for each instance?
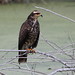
(30, 50)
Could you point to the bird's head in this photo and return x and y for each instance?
(35, 14)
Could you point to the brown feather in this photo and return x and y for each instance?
(28, 36)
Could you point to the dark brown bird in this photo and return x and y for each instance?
(29, 35)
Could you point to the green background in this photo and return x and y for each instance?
(54, 28)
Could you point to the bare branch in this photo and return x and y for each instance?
(22, 70)
(61, 70)
(48, 55)
(2, 73)
(55, 46)
(56, 14)
(49, 42)
(4, 50)
(57, 59)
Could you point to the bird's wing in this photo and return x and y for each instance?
(22, 35)
(37, 39)
(36, 42)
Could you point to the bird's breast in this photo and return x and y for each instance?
(33, 32)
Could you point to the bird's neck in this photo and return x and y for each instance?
(32, 18)
(32, 21)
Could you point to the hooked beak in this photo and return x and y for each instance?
(41, 15)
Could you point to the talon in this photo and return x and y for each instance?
(31, 50)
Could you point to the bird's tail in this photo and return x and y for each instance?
(22, 57)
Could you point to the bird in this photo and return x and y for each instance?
(29, 35)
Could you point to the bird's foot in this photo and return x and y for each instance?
(31, 50)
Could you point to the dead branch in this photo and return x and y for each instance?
(56, 14)
(52, 44)
(39, 52)
(2, 73)
(3, 50)
(21, 69)
(55, 46)
(51, 56)
(66, 46)
(62, 70)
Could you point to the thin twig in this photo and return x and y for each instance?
(8, 50)
(55, 46)
(48, 10)
(57, 59)
(48, 55)
(62, 70)
(23, 69)
(2, 73)
(49, 42)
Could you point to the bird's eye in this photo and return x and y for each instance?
(37, 13)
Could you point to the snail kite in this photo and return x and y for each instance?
(29, 35)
